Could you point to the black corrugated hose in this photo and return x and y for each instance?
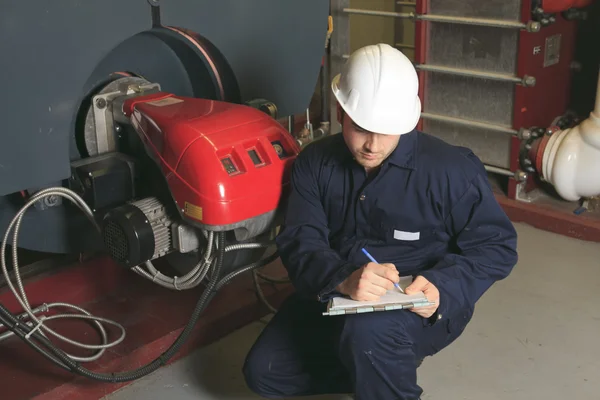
(45, 347)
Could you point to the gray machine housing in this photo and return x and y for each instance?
(55, 53)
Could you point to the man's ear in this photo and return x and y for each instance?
(340, 114)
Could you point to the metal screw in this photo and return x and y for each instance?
(100, 103)
(552, 19)
(133, 89)
(528, 146)
(521, 175)
(118, 128)
(525, 134)
(549, 132)
(51, 200)
(533, 26)
(529, 80)
(545, 21)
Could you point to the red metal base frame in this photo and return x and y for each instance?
(555, 218)
(153, 317)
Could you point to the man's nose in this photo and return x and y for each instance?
(372, 143)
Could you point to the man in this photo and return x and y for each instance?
(420, 206)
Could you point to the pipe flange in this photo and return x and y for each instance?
(530, 136)
(542, 18)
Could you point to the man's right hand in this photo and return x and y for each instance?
(370, 282)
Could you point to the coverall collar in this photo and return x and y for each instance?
(403, 156)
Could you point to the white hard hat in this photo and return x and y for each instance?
(379, 90)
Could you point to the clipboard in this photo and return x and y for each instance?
(392, 300)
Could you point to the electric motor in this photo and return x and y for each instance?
(137, 232)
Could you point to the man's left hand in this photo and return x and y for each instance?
(420, 284)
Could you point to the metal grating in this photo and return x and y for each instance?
(473, 47)
(470, 98)
(115, 241)
(492, 147)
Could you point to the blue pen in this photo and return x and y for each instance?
(375, 261)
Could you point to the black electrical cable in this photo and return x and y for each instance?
(64, 361)
(13, 324)
(207, 295)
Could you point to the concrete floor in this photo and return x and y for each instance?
(535, 335)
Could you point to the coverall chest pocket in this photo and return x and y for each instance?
(400, 230)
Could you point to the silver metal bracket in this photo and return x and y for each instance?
(526, 197)
(108, 109)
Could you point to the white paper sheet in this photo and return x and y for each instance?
(391, 297)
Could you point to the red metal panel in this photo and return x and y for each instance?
(549, 98)
(190, 138)
(421, 45)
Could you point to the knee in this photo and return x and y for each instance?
(256, 372)
(375, 331)
(261, 374)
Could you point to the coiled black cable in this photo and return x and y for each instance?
(60, 358)
(74, 366)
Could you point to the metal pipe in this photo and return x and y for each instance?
(531, 26)
(405, 45)
(525, 80)
(597, 107)
(400, 45)
(325, 101)
(501, 171)
(361, 11)
(471, 123)
(497, 23)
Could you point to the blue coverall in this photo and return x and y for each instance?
(430, 211)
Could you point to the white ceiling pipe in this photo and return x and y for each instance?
(571, 160)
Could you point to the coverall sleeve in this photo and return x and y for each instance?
(314, 268)
(487, 244)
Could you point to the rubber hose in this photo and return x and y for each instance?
(247, 268)
(260, 293)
